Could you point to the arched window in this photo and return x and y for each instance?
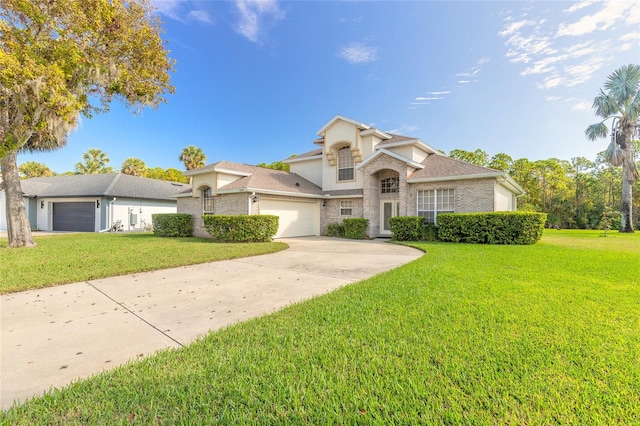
(345, 164)
(207, 200)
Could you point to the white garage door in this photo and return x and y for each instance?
(297, 219)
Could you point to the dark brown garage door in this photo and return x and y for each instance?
(80, 217)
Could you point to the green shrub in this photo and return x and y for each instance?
(406, 228)
(492, 227)
(355, 228)
(335, 230)
(241, 228)
(412, 228)
(172, 225)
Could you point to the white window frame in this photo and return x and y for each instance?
(346, 208)
(346, 164)
(207, 200)
(431, 202)
(390, 185)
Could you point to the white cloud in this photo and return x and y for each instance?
(358, 53)
(552, 98)
(582, 106)
(561, 61)
(608, 16)
(464, 81)
(579, 5)
(404, 129)
(444, 92)
(253, 13)
(200, 16)
(168, 8)
(430, 98)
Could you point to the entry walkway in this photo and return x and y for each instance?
(53, 336)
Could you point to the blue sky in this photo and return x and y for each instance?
(255, 81)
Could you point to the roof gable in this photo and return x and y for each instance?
(358, 124)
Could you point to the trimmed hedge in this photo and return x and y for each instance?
(491, 228)
(355, 228)
(241, 228)
(172, 225)
(335, 230)
(412, 228)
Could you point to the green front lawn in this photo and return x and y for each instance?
(66, 258)
(467, 334)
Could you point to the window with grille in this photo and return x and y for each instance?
(346, 208)
(207, 200)
(433, 202)
(389, 185)
(345, 164)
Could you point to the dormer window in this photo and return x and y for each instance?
(345, 164)
(207, 200)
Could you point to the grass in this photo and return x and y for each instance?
(467, 334)
(60, 259)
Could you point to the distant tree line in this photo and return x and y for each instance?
(96, 161)
(574, 194)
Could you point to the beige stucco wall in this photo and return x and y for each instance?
(504, 199)
(311, 170)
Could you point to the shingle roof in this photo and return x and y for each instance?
(267, 179)
(314, 153)
(440, 166)
(396, 138)
(101, 185)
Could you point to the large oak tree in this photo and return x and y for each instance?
(63, 58)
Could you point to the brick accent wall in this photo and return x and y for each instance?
(222, 204)
(331, 212)
(474, 195)
(193, 206)
(380, 168)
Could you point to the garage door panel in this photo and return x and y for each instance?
(74, 216)
(296, 219)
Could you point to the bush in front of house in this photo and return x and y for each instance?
(335, 230)
(491, 227)
(241, 228)
(355, 228)
(412, 228)
(172, 225)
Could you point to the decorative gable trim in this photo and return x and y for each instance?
(376, 132)
(393, 155)
(358, 124)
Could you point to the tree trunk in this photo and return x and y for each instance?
(18, 227)
(626, 208)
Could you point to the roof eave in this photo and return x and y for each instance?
(456, 177)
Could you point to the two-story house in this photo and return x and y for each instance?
(356, 171)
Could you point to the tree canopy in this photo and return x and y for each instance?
(134, 167)
(192, 157)
(60, 59)
(94, 162)
(620, 103)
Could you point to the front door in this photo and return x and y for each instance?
(388, 209)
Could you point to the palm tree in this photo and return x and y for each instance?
(621, 104)
(192, 157)
(95, 162)
(134, 167)
(30, 169)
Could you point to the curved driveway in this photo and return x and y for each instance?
(53, 336)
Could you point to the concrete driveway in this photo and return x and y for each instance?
(53, 336)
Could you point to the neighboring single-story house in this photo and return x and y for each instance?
(356, 171)
(92, 203)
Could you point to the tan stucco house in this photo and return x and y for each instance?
(356, 171)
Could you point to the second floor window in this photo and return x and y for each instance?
(345, 164)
